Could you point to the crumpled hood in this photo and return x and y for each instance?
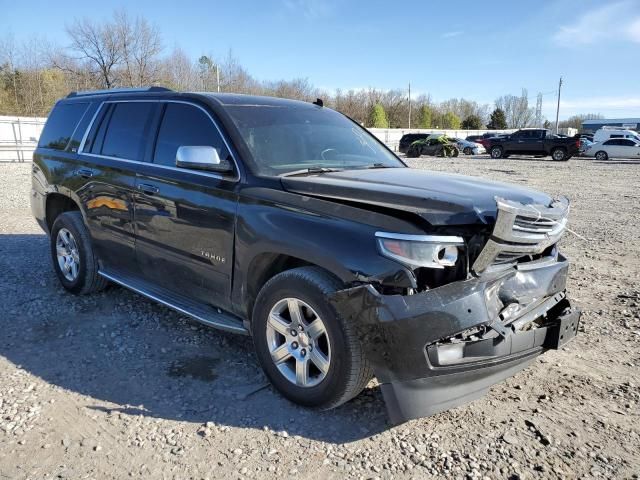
(440, 198)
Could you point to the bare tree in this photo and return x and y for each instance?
(140, 46)
(516, 109)
(101, 45)
(177, 71)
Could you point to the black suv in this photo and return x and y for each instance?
(408, 138)
(289, 222)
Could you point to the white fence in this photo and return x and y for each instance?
(19, 137)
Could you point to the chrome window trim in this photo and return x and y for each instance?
(86, 132)
(206, 174)
(88, 105)
(441, 239)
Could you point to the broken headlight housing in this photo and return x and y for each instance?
(416, 251)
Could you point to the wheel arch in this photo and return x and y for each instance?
(57, 203)
(267, 265)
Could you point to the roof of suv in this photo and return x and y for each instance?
(236, 99)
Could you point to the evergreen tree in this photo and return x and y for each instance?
(426, 117)
(378, 117)
(498, 120)
(472, 122)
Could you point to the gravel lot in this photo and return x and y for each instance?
(112, 385)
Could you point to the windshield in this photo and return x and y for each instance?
(288, 138)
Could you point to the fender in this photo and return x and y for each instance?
(338, 237)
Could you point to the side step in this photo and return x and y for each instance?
(206, 314)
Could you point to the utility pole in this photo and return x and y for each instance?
(218, 76)
(558, 108)
(409, 105)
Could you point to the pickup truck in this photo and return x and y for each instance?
(538, 142)
(288, 222)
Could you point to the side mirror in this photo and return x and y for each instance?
(201, 158)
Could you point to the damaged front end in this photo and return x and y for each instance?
(445, 346)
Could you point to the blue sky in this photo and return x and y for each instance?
(476, 50)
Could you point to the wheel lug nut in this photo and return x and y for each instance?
(303, 352)
(294, 345)
(294, 332)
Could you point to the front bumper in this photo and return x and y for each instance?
(446, 346)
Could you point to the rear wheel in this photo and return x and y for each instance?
(74, 260)
(307, 350)
(601, 155)
(559, 154)
(496, 152)
(467, 151)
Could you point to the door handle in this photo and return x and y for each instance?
(84, 173)
(148, 189)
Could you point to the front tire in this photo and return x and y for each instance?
(309, 352)
(496, 152)
(74, 260)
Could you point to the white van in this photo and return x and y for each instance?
(605, 133)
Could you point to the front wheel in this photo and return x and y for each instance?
(467, 151)
(309, 352)
(601, 155)
(496, 152)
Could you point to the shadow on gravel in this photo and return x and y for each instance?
(129, 356)
(618, 162)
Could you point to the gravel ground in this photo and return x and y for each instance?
(112, 385)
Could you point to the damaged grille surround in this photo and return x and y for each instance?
(522, 230)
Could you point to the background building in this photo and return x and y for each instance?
(590, 126)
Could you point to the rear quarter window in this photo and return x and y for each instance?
(61, 124)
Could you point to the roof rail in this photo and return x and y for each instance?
(119, 90)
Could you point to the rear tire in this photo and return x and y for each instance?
(559, 155)
(74, 260)
(467, 151)
(602, 155)
(346, 371)
(497, 152)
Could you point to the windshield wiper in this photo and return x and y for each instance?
(311, 171)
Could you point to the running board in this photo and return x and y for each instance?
(205, 314)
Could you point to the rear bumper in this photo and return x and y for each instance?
(444, 347)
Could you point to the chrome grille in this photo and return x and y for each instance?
(520, 231)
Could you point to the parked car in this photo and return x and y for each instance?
(614, 148)
(534, 141)
(469, 148)
(605, 133)
(289, 222)
(584, 145)
(434, 146)
(408, 138)
(483, 139)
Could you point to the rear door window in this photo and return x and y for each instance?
(125, 133)
(61, 124)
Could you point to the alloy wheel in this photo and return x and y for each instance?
(298, 342)
(67, 254)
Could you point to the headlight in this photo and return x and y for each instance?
(431, 251)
